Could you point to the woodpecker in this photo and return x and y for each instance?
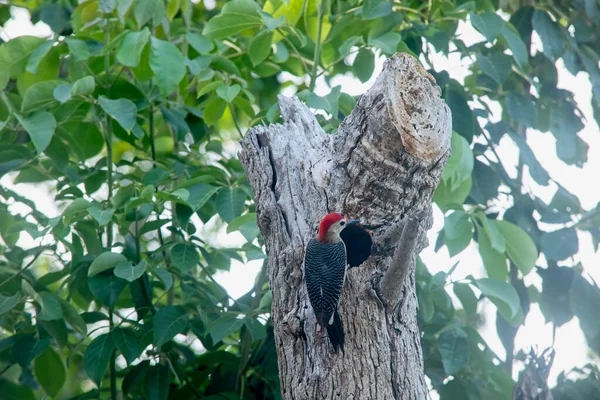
(325, 263)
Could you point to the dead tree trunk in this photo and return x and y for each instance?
(382, 166)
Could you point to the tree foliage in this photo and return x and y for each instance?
(128, 116)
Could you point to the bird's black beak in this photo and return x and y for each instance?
(353, 221)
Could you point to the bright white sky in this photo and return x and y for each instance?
(571, 349)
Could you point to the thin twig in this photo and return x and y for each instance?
(22, 270)
(109, 230)
(237, 126)
(317, 56)
(247, 339)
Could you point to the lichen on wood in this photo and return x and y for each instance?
(382, 167)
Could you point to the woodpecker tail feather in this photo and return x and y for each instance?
(335, 331)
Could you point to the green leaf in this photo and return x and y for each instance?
(550, 34)
(363, 65)
(128, 342)
(521, 108)
(8, 303)
(102, 216)
(184, 256)
(78, 48)
(51, 308)
(329, 103)
(456, 224)
(130, 49)
(104, 262)
(260, 47)
(56, 15)
(157, 381)
(224, 326)
(466, 296)
(266, 301)
(156, 176)
(454, 350)
(388, 42)
(502, 294)
(463, 120)
(126, 270)
(257, 330)
(346, 103)
(200, 43)
(228, 93)
(230, 203)
(373, 9)
(12, 391)
(4, 78)
(91, 317)
(236, 223)
(39, 95)
(270, 22)
(426, 307)
(200, 194)
(199, 64)
(536, 170)
(165, 276)
(488, 23)
(561, 244)
(147, 10)
(40, 126)
(236, 16)
(458, 244)
(555, 297)
(515, 44)
(168, 322)
(114, 43)
(15, 53)
(97, 357)
(123, 111)
(27, 348)
(37, 56)
(446, 198)
(497, 66)
(177, 195)
(50, 371)
(493, 260)
(496, 239)
(106, 287)
(585, 298)
(77, 205)
(168, 65)
(519, 246)
(460, 164)
(458, 232)
(347, 46)
(84, 86)
(72, 316)
(107, 6)
(62, 92)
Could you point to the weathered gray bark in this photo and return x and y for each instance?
(382, 166)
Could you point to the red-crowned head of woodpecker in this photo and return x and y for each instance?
(331, 226)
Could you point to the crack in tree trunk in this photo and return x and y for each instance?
(382, 167)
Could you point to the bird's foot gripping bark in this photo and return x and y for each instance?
(407, 237)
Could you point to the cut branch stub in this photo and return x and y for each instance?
(383, 164)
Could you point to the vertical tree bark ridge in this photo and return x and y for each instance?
(383, 164)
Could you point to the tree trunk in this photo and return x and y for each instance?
(382, 167)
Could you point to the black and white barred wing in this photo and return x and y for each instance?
(324, 271)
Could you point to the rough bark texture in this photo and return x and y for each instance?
(533, 380)
(382, 166)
